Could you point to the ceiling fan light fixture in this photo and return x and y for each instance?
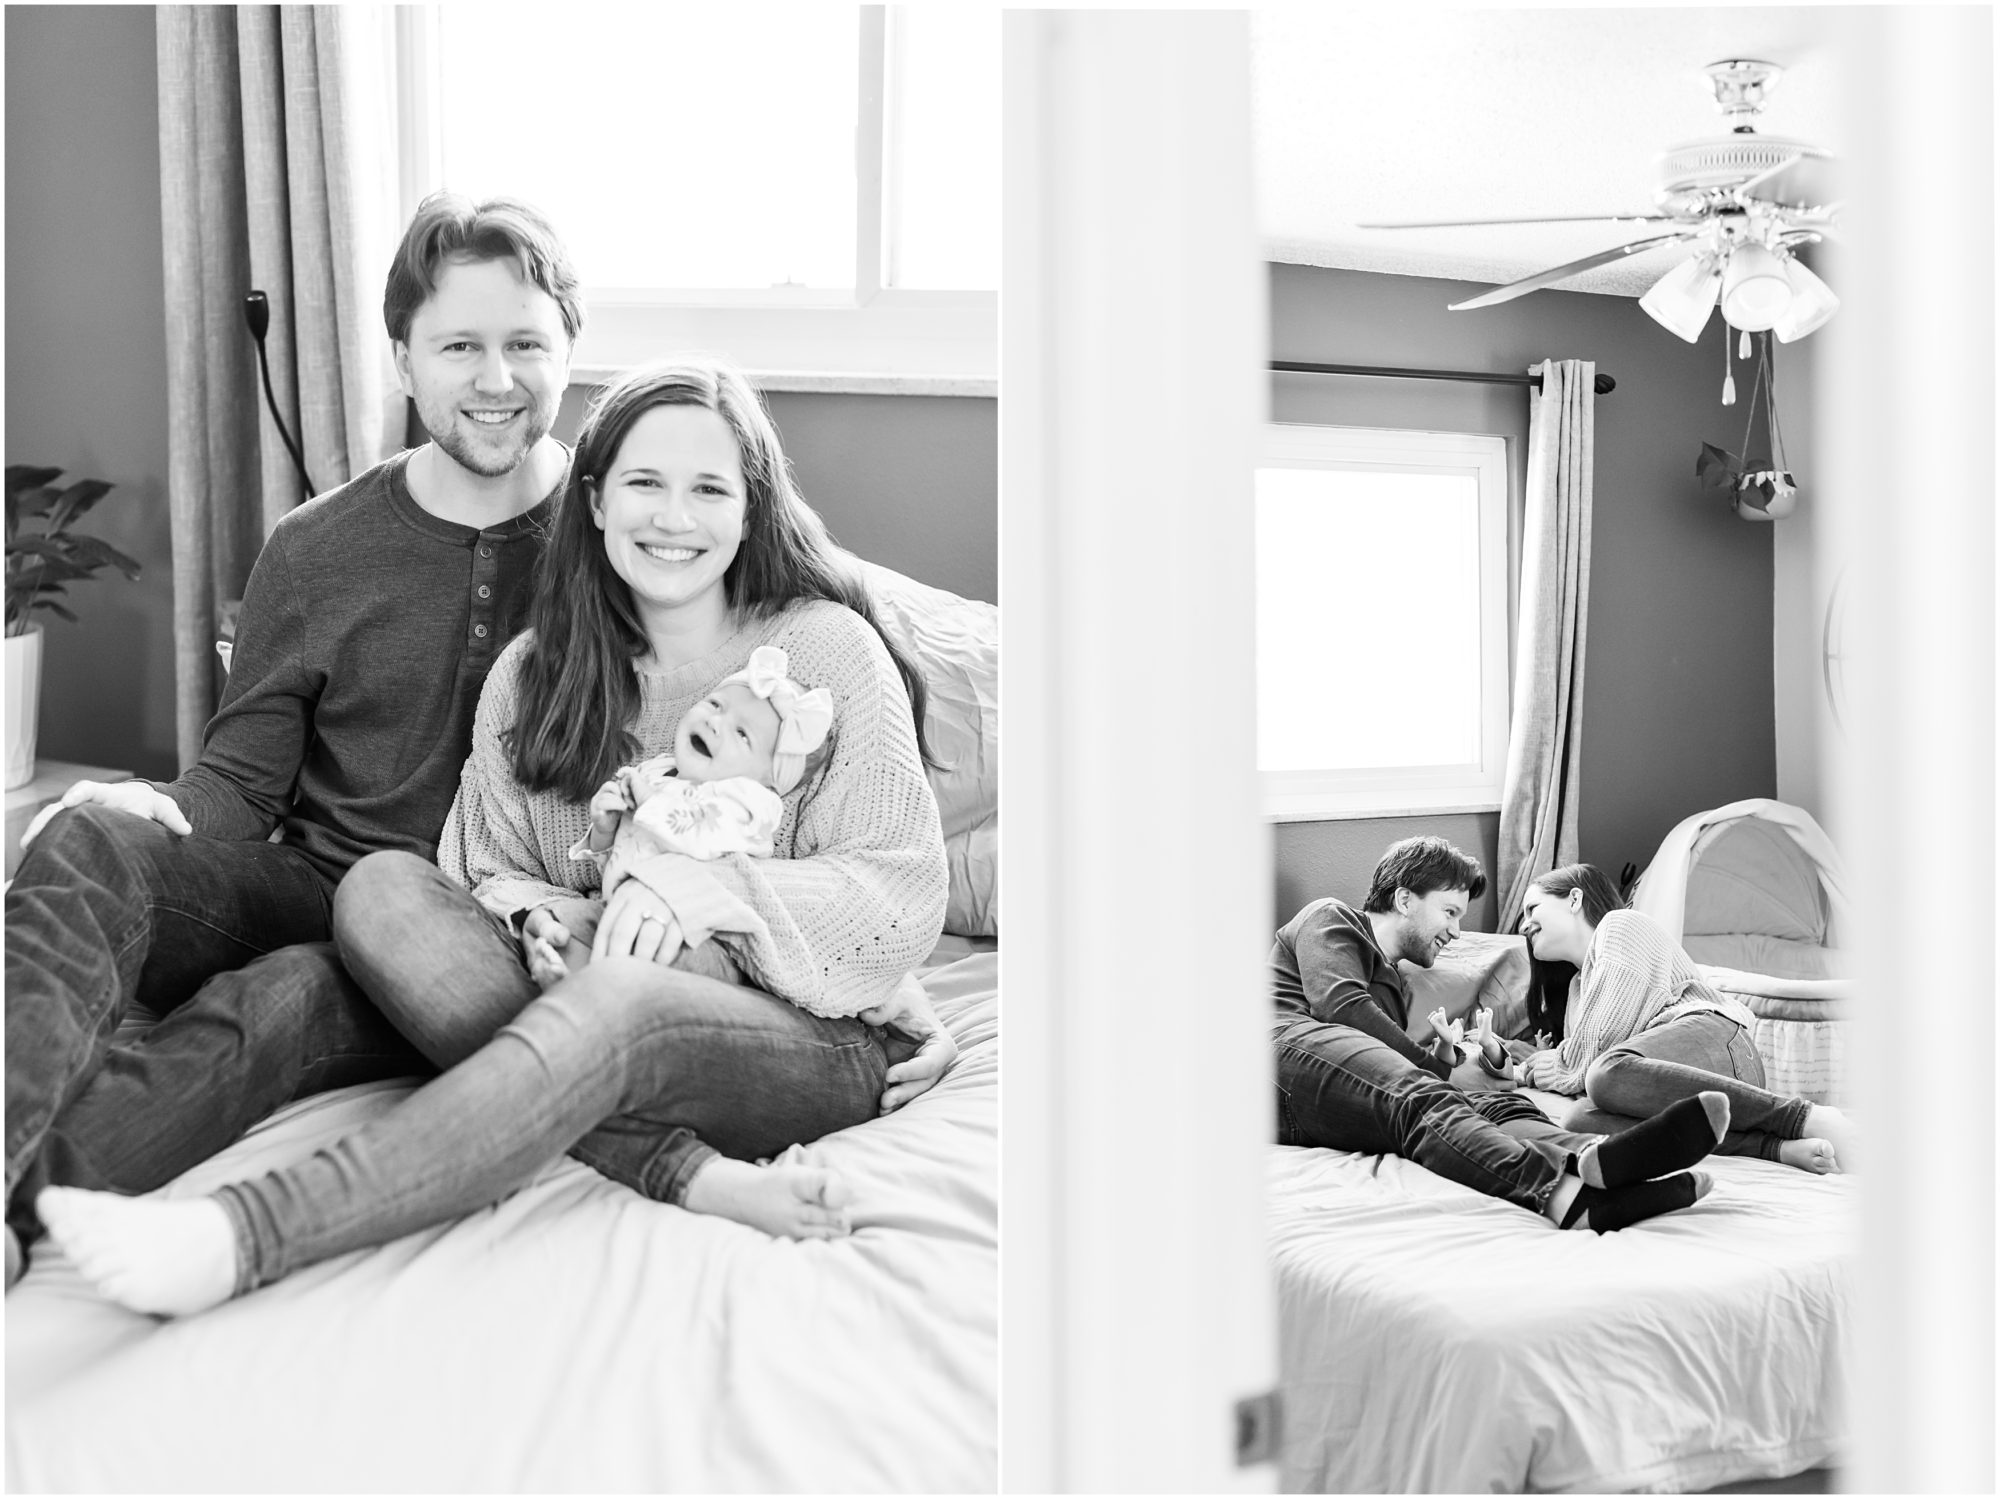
(1681, 300)
(1755, 290)
(1813, 302)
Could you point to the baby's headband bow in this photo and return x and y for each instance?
(804, 717)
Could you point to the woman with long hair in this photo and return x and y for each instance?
(1642, 1029)
(680, 547)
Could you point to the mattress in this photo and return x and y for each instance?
(1436, 1340)
(574, 1337)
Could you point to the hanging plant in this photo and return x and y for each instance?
(1759, 484)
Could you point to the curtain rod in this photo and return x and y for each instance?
(1604, 383)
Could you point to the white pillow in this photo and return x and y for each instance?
(955, 643)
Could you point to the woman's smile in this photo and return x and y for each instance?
(662, 552)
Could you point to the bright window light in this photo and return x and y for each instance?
(943, 189)
(710, 147)
(1338, 554)
(1381, 624)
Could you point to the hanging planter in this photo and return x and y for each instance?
(1759, 485)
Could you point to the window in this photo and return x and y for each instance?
(1381, 622)
(811, 189)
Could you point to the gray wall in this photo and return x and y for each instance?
(908, 481)
(86, 359)
(1677, 697)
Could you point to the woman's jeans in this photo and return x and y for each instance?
(1342, 1088)
(228, 942)
(1702, 1052)
(639, 1070)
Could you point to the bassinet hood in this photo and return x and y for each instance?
(1760, 867)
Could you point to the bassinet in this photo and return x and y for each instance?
(1753, 892)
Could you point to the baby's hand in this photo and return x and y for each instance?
(545, 964)
(609, 804)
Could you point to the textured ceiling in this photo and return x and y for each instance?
(1377, 113)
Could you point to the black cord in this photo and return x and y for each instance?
(257, 312)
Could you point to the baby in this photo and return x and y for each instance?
(736, 754)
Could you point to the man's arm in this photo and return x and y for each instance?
(253, 747)
(1335, 958)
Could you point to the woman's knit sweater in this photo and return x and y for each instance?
(855, 897)
(1634, 977)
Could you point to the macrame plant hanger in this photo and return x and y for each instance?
(1763, 385)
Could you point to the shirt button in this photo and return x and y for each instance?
(479, 631)
(486, 551)
(485, 592)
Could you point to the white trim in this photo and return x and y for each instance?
(871, 123)
(1312, 795)
(949, 336)
(1137, 1296)
(826, 382)
(419, 83)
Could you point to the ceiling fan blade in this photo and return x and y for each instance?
(1554, 274)
(1574, 218)
(1805, 179)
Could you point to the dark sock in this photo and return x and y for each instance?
(1672, 1140)
(1613, 1208)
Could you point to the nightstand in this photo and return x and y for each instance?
(52, 779)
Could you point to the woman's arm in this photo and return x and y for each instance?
(860, 899)
(1624, 983)
(489, 843)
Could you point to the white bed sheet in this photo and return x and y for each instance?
(575, 1337)
(1436, 1340)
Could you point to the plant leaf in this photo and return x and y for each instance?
(57, 569)
(76, 502)
(28, 502)
(22, 476)
(96, 553)
(40, 546)
(1717, 468)
(54, 608)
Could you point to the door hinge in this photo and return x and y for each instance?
(1258, 1420)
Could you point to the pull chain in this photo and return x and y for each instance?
(1728, 375)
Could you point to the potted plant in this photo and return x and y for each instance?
(42, 561)
(1757, 487)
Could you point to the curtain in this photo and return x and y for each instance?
(1539, 796)
(276, 174)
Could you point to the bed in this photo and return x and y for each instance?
(1433, 1339)
(577, 1337)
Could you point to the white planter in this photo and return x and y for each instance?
(24, 698)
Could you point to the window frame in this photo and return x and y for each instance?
(872, 339)
(1390, 791)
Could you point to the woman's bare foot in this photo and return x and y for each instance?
(786, 1198)
(1824, 1122)
(1816, 1156)
(165, 1258)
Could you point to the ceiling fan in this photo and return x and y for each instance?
(1742, 202)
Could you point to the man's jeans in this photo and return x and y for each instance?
(641, 1071)
(1705, 1051)
(108, 909)
(1341, 1088)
